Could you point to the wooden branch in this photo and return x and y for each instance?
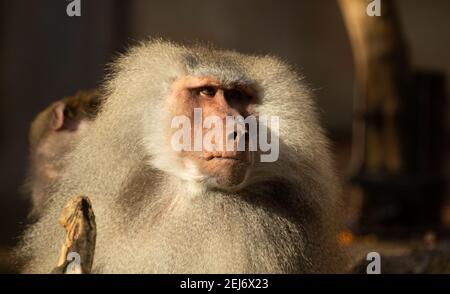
(77, 252)
(399, 122)
(382, 70)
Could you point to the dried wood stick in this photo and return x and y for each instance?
(382, 71)
(77, 252)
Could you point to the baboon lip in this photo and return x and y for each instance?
(219, 157)
(226, 158)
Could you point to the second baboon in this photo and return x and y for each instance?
(53, 134)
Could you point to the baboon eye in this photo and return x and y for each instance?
(208, 91)
(237, 95)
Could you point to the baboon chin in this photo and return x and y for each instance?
(224, 173)
(266, 193)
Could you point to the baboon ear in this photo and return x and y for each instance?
(57, 121)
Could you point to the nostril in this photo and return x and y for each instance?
(232, 136)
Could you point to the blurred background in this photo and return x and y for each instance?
(46, 55)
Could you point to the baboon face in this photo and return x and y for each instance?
(208, 106)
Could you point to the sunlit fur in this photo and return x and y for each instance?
(149, 220)
(53, 134)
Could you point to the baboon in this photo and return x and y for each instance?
(161, 210)
(53, 134)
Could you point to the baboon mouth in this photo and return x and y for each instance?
(226, 158)
(212, 157)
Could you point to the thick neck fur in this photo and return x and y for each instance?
(250, 231)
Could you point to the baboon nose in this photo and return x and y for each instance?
(232, 136)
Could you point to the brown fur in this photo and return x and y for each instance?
(52, 135)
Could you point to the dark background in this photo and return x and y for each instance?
(45, 55)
